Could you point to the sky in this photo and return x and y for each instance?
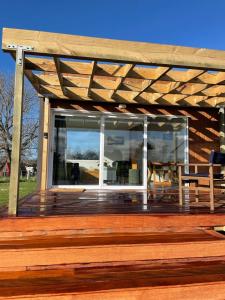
(196, 23)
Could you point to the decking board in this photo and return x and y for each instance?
(206, 279)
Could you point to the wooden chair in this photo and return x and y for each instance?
(210, 177)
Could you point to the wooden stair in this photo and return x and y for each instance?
(46, 260)
(158, 280)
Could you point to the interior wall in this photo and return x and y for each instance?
(204, 125)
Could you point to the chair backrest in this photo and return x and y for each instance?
(217, 158)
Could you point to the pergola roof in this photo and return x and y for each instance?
(84, 68)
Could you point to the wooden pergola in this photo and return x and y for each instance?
(73, 67)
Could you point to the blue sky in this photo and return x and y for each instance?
(192, 22)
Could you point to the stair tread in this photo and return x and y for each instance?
(146, 275)
(109, 239)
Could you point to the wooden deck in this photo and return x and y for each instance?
(112, 245)
(158, 280)
(161, 200)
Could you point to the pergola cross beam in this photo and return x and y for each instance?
(46, 43)
(93, 68)
(59, 74)
(127, 69)
(151, 82)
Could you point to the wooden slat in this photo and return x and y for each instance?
(162, 72)
(113, 70)
(46, 43)
(93, 68)
(162, 280)
(127, 68)
(59, 74)
(29, 74)
(104, 95)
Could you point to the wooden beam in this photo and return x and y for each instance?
(45, 145)
(17, 134)
(190, 77)
(110, 71)
(127, 69)
(29, 74)
(64, 45)
(59, 74)
(162, 72)
(103, 95)
(40, 141)
(93, 68)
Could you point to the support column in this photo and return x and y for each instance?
(45, 145)
(40, 141)
(17, 132)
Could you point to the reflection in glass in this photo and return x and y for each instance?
(166, 139)
(166, 146)
(123, 152)
(76, 150)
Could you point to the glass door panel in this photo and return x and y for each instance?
(123, 152)
(76, 150)
(166, 146)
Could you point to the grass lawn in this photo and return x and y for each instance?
(26, 187)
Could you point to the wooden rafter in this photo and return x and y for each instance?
(182, 85)
(75, 68)
(127, 69)
(151, 82)
(30, 76)
(59, 74)
(164, 83)
(93, 68)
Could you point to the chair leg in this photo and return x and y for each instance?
(180, 187)
(196, 192)
(211, 188)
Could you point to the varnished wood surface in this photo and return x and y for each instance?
(81, 240)
(29, 252)
(157, 201)
(185, 280)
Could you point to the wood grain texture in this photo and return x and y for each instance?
(127, 81)
(107, 49)
(149, 280)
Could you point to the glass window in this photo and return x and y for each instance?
(166, 139)
(123, 151)
(76, 150)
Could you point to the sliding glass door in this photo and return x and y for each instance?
(100, 151)
(123, 152)
(76, 150)
(167, 139)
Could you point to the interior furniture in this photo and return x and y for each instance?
(134, 177)
(205, 177)
(109, 175)
(161, 170)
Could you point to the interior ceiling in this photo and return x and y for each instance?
(124, 83)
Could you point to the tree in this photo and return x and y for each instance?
(30, 119)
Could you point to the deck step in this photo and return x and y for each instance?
(27, 252)
(95, 224)
(150, 280)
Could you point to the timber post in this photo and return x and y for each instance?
(45, 145)
(17, 129)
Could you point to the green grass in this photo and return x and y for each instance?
(26, 187)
